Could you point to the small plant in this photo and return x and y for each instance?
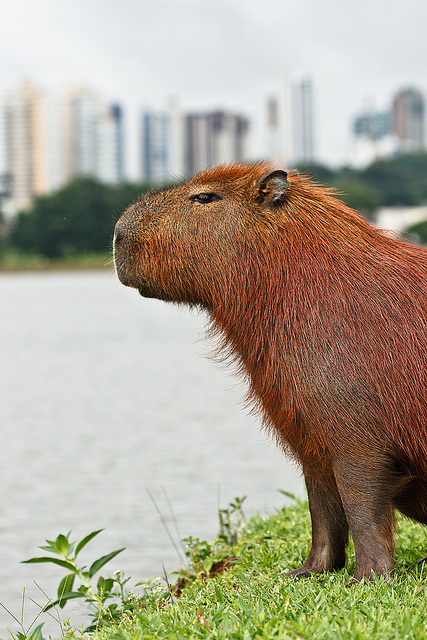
(97, 597)
(35, 634)
(29, 633)
(109, 601)
(231, 521)
(208, 559)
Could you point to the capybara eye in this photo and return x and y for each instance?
(204, 198)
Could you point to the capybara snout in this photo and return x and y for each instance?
(327, 319)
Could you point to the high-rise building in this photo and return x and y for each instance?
(290, 126)
(110, 154)
(179, 144)
(48, 141)
(25, 143)
(302, 117)
(93, 137)
(373, 125)
(156, 146)
(214, 138)
(382, 134)
(373, 137)
(198, 143)
(279, 123)
(81, 114)
(229, 137)
(408, 120)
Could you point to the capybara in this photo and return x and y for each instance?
(327, 319)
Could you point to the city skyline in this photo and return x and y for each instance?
(400, 128)
(292, 94)
(221, 55)
(49, 139)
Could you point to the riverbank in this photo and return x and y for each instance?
(16, 261)
(238, 591)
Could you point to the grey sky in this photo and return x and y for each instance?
(224, 52)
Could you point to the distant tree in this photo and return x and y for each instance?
(356, 192)
(401, 180)
(127, 193)
(79, 218)
(3, 229)
(419, 230)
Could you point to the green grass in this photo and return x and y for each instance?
(11, 260)
(253, 600)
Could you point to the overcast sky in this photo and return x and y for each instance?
(221, 53)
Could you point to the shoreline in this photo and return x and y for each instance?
(15, 263)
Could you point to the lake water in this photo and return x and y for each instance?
(104, 395)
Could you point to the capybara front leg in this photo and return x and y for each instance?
(329, 528)
(365, 489)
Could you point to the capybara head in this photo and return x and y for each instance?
(327, 319)
(181, 243)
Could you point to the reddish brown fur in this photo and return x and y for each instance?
(327, 318)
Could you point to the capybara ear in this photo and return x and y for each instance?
(271, 187)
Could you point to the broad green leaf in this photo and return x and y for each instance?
(104, 588)
(61, 563)
(96, 566)
(104, 585)
(85, 540)
(207, 565)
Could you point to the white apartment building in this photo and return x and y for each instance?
(290, 127)
(47, 141)
(25, 144)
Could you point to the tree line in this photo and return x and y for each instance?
(400, 181)
(77, 219)
(80, 217)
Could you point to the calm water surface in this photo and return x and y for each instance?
(106, 395)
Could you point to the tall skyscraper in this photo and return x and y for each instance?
(179, 144)
(48, 141)
(290, 126)
(110, 153)
(81, 113)
(214, 138)
(198, 143)
(93, 137)
(156, 146)
(302, 117)
(279, 122)
(25, 142)
(229, 137)
(383, 134)
(408, 120)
